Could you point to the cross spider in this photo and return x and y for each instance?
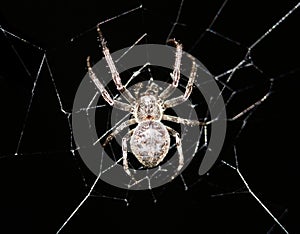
(150, 139)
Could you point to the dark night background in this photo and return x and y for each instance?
(41, 186)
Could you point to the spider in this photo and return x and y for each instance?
(150, 139)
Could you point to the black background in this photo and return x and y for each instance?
(43, 184)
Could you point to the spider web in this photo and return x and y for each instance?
(250, 49)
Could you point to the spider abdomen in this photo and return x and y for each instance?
(150, 143)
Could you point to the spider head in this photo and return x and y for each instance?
(148, 108)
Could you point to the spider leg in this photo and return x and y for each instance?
(103, 91)
(176, 71)
(188, 89)
(179, 149)
(185, 121)
(124, 150)
(118, 130)
(113, 70)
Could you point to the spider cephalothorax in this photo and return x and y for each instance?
(148, 105)
(150, 139)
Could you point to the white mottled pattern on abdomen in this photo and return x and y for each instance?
(150, 143)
